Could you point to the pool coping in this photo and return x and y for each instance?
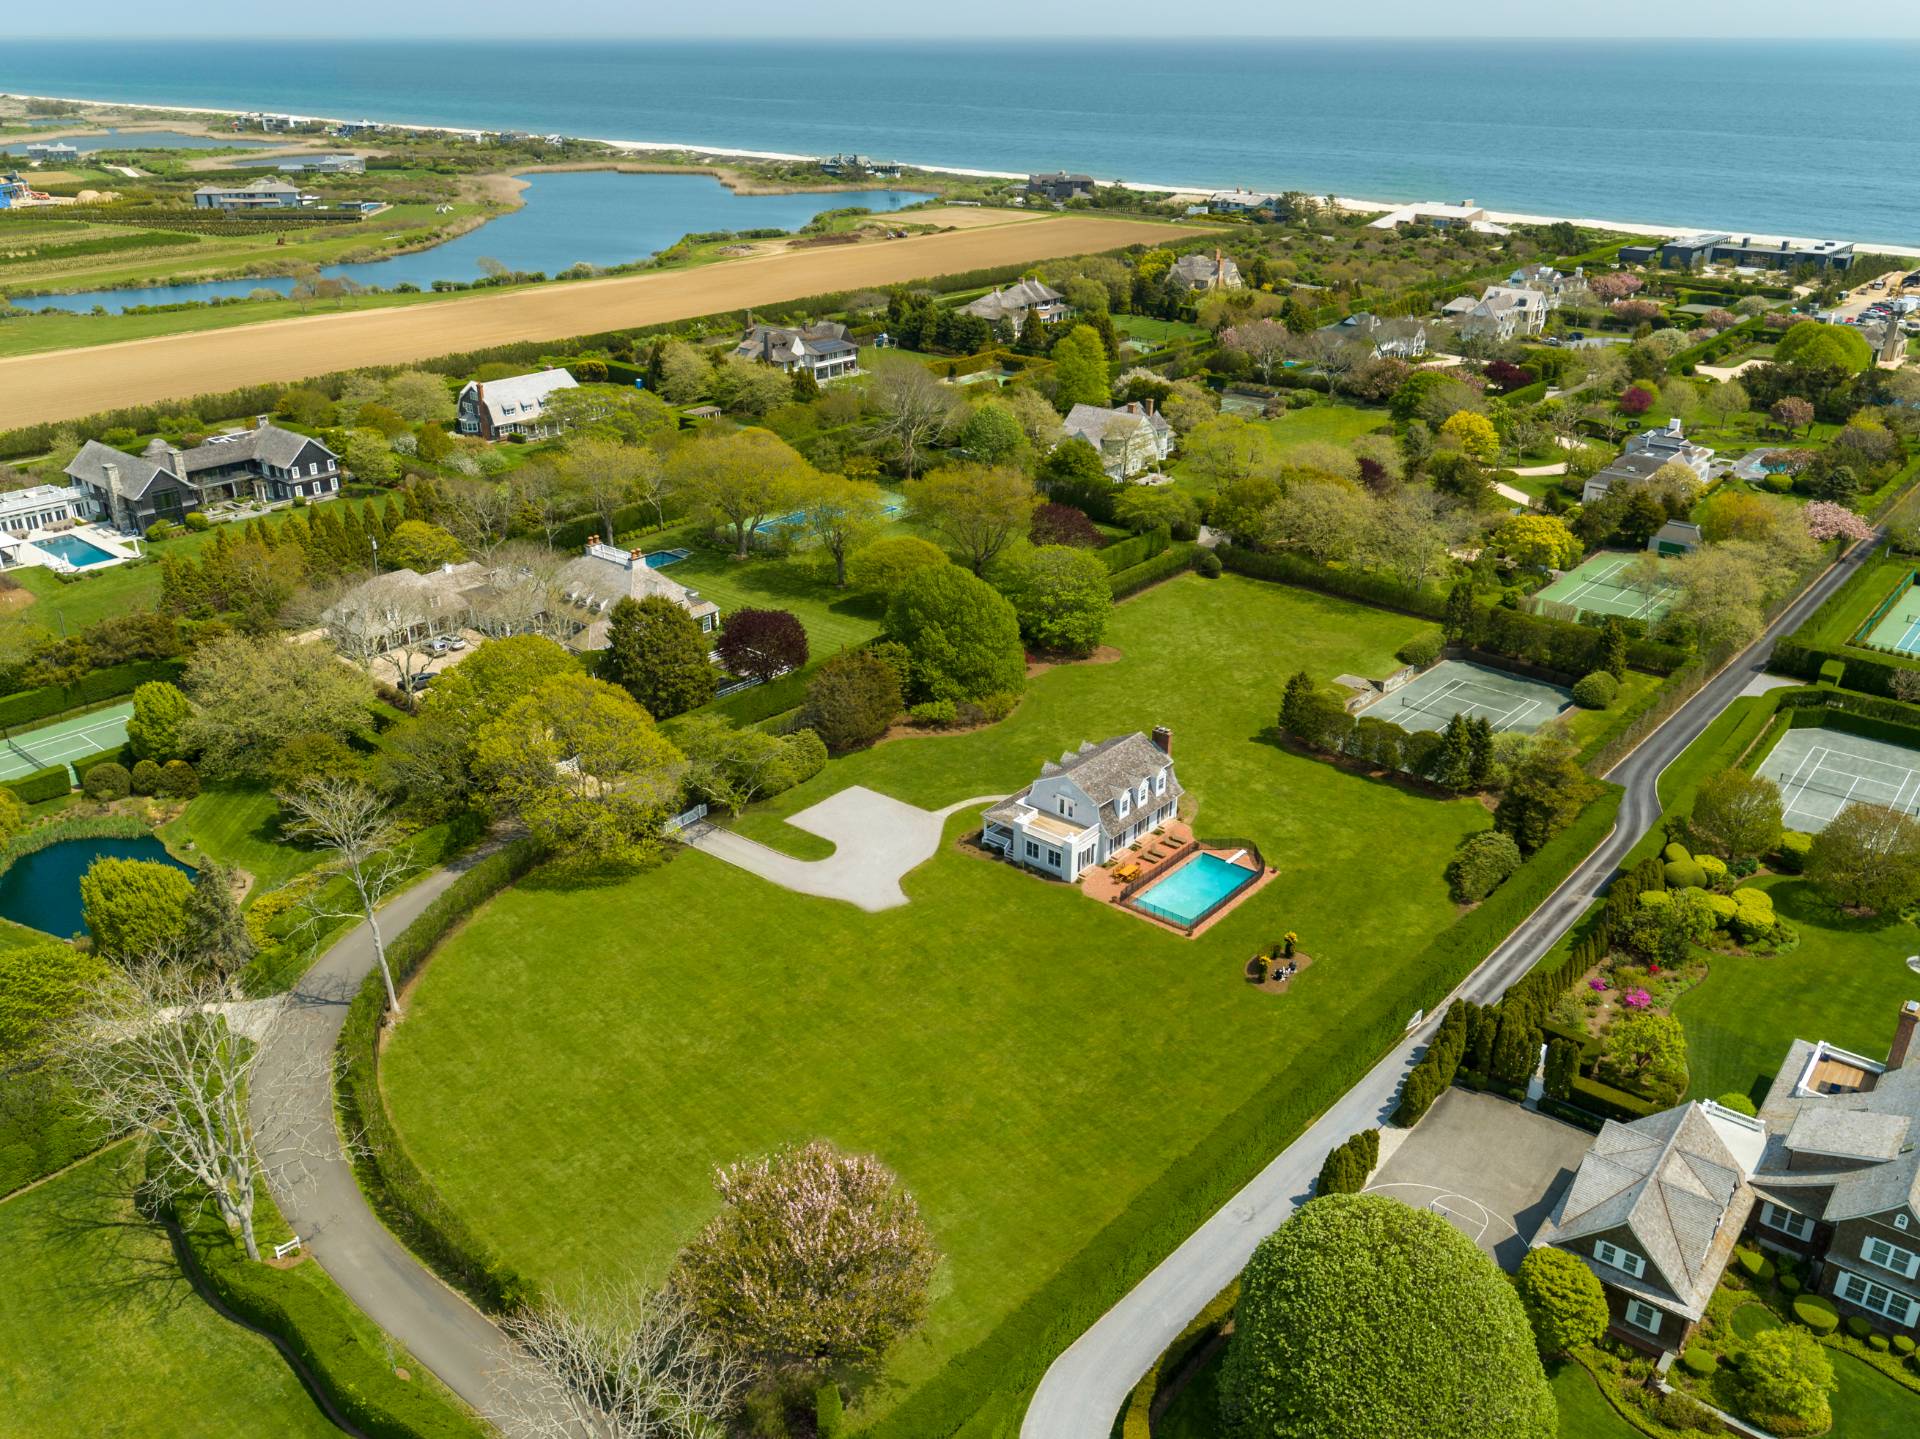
(1122, 899)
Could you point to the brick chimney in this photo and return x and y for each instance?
(260, 422)
(1903, 1033)
(1163, 740)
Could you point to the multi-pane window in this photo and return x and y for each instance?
(1785, 1220)
(1643, 1316)
(1624, 1260)
(1903, 1262)
(1878, 1298)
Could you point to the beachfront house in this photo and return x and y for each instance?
(1132, 439)
(164, 482)
(269, 194)
(1241, 202)
(1690, 252)
(517, 405)
(1059, 187)
(1089, 806)
(1829, 1173)
(1198, 272)
(823, 350)
(1438, 216)
(1645, 453)
(603, 575)
(52, 152)
(1013, 303)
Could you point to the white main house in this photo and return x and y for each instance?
(1092, 804)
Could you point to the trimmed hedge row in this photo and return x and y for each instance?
(355, 1377)
(998, 1373)
(1426, 601)
(1125, 554)
(43, 784)
(41, 1128)
(1137, 1419)
(1168, 563)
(403, 1196)
(26, 706)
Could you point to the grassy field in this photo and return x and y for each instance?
(1154, 331)
(240, 826)
(104, 1337)
(1028, 1060)
(832, 620)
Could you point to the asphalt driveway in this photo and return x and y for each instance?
(1492, 1168)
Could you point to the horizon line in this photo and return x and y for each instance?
(227, 36)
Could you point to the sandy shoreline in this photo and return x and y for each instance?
(1357, 205)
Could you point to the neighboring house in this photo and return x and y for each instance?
(1131, 440)
(1829, 1172)
(1240, 202)
(1645, 453)
(1440, 217)
(494, 409)
(1013, 303)
(40, 507)
(401, 607)
(1205, 272)
(1397, 339)
(858, 165)
(1559, 287)
(1504, 312)
(311, 164)
(606, 574)
(1095, 802)
(52, 151)
(1060, 186)
(254, 195)
(1688, 252)
(823, 350)
(267, 463)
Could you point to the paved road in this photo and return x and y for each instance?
(1085, 1387)
(313, 1181)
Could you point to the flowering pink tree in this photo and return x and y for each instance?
(1264, 342)
(1635, 312)
(1827, 521)
(818, 1259)
(1718, 320)
(1617, 286)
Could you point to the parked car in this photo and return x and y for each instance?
(456, 642)
(437, 647)
(419, 682)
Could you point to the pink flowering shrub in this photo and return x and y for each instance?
(1638, 999)
(1826, 521)
(1598, 986)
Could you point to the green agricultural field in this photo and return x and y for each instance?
(1028, 1060)
(104, 1337)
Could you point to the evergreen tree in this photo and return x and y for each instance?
(355, 552)
(1294, 704)
(394, 515)
(1563, 1062)
(1459, 619)
(417, 507)
(1480, 751)
(372, 521)
(656, 652)
(1482, 1024)
(656, 365)
(1455, 769)
(216, 931)
(1514, 1048)
(1615, 663)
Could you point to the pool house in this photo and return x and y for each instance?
(1087, 807)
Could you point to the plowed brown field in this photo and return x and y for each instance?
(67, 384)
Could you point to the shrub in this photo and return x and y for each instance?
(829, 1414)
(1792, 854)
(1858, 1327)
(1754, 1264)
(962, 636)
(935, 714)
(107, 781)
(1675, 851)
(852, 700)
(43, 784)
(1563, 1299)
(1481, 865)
(1596, 691)
(178, 780)
(1790, 1283)
(1422, 650)
(159, 530)
(1208, 564)
(1878, 1342)
(197, 522)
(1903, 1344)
(1738, 1103)
(1785, 1377)
(1685, 874)
(1699, 1360)
(1817, 1313)
(145, 777)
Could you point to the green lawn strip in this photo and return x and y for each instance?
(1028, 1060)
(833, 619)
(104, 1336)
(1195, 1410)
(1584, 1410)
(1337, 424)
(239, 825)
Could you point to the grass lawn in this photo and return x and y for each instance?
(240, 826)
(1845, 983)
(1026, 1059)
(103, 1336)
(1338, 424)
(1584, 1411)
(1156, 332)
(833, 619)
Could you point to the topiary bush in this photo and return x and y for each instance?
(1790, 1283)
(935, 714)
(1685, 874)
(179, 780)
(1858, 1327)
(1753, 1263)
(108, 781)
(145, 777)
(1208, 564)
(1423, 649)
(1738, 1103)
(1481, 865)
(1699, 1360)
(1903, 1345)
(1675, 851)
(1878, 1342)
(1596, 691)
(1792, 854)
(1817, 1313)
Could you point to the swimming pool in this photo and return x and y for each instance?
(660, 559)
(1194, 890)
(75, 551)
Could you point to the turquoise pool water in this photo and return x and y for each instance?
(74, 550)
(660, 559)
(1187, 895)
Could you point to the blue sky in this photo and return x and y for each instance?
(829, 19)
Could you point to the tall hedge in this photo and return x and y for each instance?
(31, 706)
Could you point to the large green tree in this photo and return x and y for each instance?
(977, 509)
(1563, 1299)
(252, 696)
(657, 653)
(852, 699)
(883, 566)
(1784, 1378)
(1080, 370)
(157, 727)
(416, 545)
(1736, 815)
(42, 986)
(1545, 790)
(1060, 595)
(961, 636)
(135, 908)
(1824, 346)
(1867, 858)
(215, 930)
(735, 481)
(1362, 1317)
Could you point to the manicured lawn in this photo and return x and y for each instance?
(1584, 1411)
(1154, 331)
(1845, 983)
(575, 1063)
(240, 826)
(1332, 424)
(833, 619)
(104, 1337)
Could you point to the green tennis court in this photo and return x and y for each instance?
(1603, 584)
(1453, 687)
(1899, 628)
(93, 733)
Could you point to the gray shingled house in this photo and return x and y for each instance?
(1081, 811)
(164, 482)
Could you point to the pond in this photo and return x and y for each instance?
(136, 140)
(42, 890)
(600, 217)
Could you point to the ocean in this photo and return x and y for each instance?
(1789, 137)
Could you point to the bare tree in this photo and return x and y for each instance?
(1265, 343)
(540, 499)
(479, 516)
(159, 1051)
(607, 475)
(911, 407)
(355, 825)
(623, 1364)
(525, 596)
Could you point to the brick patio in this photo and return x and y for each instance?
(1158, 855)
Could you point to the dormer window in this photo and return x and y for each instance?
(1066, 806)
(1160, 782)
(1625, 1260)
(1143, 791)
(1125, 804)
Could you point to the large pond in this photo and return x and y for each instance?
(135, 140)
(42, 889)
(600, 217)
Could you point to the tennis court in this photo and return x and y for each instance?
(28, 750)
(1454, 687)
(1899, 628)
(1601, 585)
(1821, 771)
